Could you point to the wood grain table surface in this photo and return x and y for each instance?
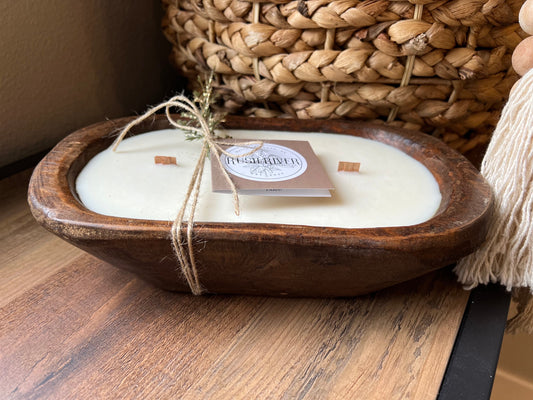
(73, 327)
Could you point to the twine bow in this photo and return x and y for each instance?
(210, 144)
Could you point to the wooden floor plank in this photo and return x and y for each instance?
(29, 254)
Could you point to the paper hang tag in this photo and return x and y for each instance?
(278, 168)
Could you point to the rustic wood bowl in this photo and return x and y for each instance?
(271, 259)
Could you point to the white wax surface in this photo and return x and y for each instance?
(391, 189)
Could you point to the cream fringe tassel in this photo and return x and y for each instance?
(507, 255)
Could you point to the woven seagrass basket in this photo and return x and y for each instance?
(442, 67)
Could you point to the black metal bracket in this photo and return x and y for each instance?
(472, 364)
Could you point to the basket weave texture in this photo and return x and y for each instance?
(443, 67)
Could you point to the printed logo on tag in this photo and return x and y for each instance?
(271, 163)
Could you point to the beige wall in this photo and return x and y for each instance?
(66, 64)
(514, 376)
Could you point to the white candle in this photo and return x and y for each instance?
(391, 188)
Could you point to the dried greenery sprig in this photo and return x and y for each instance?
(205, 101)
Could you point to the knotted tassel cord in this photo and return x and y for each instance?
(183, 248)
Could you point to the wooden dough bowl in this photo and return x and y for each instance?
(271, 259)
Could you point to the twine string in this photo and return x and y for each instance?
(183, 247)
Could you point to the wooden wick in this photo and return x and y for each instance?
(165, 160)
(347, 166)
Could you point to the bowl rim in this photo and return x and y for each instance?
(462, 218)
